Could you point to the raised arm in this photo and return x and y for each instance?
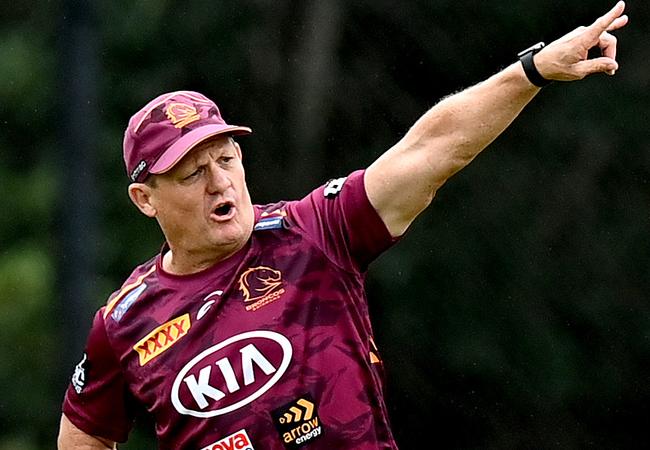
(403, 181)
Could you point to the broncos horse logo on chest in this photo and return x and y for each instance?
(260, 285)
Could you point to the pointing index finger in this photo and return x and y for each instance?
(609, 21)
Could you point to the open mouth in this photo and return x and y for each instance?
(223, 210)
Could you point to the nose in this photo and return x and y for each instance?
(218, 180)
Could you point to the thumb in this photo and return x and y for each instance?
(596, 65)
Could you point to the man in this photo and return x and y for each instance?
(250, 329)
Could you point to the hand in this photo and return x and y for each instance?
(566, 58)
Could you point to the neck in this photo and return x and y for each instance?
(178, 262)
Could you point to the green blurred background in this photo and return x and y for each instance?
(514, 314)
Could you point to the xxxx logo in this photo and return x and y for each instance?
(162, 338)
(298, 422)
(260, 286)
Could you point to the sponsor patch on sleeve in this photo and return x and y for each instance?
(334, 187)
(79, 376)
(297, 422)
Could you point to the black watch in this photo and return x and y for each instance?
(526, 58)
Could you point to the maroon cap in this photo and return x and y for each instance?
(167, 128)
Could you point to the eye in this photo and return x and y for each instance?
(226, 159)
(199, 171)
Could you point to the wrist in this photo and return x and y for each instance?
(527, 59)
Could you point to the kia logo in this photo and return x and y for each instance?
(231, 374)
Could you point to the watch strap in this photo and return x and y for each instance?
(526, 58)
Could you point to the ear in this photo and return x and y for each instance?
(238, 148)
(140, 195)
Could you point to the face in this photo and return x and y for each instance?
(202, 204)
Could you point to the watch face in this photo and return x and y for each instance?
(534, 49)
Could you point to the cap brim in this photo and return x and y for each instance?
(186, 143)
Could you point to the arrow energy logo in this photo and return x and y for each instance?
(298, 422)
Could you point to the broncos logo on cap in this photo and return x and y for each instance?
(181, 114)
(259, 282)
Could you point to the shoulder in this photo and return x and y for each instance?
(270, 216)
(140, 279)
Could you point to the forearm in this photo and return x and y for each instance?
(452, 133)
(402, 182)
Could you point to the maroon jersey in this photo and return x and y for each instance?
(269, 349)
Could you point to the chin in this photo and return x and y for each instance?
(233, 239)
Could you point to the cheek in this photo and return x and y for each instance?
(242, 187)
(179, 206)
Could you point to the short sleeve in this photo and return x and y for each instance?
(340, 219)
(97, 398)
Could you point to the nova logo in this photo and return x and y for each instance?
(231, 374)
(297, 422)
(162, 338)
(260, 286)
(239, 440)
